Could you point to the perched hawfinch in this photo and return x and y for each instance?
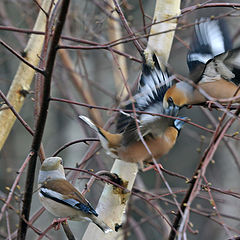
(159, 133)
(61, 198)
(213, 67)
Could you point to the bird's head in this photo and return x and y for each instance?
(51, 168)
(174, 96)
(52, 163)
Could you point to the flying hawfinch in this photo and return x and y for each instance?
(213, 67)
(159, 133)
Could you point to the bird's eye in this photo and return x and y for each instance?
(61, 162)
(170, 101)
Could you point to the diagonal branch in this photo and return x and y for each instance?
(23, 77)
(197, 177)
(125, 24)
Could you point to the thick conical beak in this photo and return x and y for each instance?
(179, 123)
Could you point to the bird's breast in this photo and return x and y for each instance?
(158, 146)
(220, 89)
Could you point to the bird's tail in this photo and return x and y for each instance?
(103, 226)
(107, 139)
(89, 122)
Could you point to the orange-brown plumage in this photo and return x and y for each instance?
(214, 68)
(221, 89)
(158, 146)
(179, 97)
(159, 133)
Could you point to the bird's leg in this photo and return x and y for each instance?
(209, 106)
(56, 222)
(159, 165)
(152, 166)
(210, 103)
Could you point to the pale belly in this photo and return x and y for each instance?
(62, 211)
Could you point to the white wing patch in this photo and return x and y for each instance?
(51, 193)
(153, 86)
(209, 41)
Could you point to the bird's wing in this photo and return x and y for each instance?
(232, 61)
(124, 118)
(152, 87)
(63, 192)
(210, 39)
(223, 66)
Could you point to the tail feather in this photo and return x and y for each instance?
(108, 140)
(103, 226)
(88, 122)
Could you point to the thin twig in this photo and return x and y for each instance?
(74, 142)
(16, 181)
(197, 177)
(125, 24)
(20, 57)
(139, 112)
(27, 127)
(8, 225)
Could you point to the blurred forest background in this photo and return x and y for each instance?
(89, 74)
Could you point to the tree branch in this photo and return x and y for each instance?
(197, 176)
(23, 77)
(41, 119)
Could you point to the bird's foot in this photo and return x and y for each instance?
(152, 166)
(155, 167)
(210, 103)
(56, 222)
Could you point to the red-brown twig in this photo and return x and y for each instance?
(197, 178)
(85, 140)
(125, 24)
(11, 192)
(27, 127)
(139, 112)
(20, 57)
(43, 234)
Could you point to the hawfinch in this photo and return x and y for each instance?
(213, 67)
(61, 198)
(159, 133)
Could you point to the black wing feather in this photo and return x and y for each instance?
(210, 39)
(69, 202)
